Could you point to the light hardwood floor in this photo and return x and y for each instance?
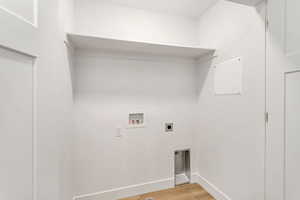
(182, 192)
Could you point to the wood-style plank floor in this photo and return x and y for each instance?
(182, 192)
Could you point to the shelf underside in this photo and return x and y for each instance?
(248, 2)
(115, 45)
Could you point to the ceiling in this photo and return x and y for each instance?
(189, 8)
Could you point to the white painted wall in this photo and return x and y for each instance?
(93, 17)
(189, 8)
(67, 15)
(231, 128)
(108, 88)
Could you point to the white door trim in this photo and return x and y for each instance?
(296, 70)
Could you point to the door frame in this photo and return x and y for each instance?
(287, 72)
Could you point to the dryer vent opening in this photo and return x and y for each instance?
(182, 167)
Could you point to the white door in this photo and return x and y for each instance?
(18, 50)
(283, 101)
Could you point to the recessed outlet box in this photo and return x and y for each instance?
(136, 120)
(169, 127)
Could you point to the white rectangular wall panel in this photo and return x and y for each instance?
(292, 136)
(16, 126)
(228, 77)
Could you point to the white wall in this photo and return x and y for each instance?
(67, 15)
(108, 88)
(93, 17)
(231, 128)
(54, 102)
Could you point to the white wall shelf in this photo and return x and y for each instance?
(124, 46)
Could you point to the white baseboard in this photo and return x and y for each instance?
(152, 186)
(210, 188)
(128, 191)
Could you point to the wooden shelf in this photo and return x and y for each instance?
(124, 46)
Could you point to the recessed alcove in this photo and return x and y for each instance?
(124, 93)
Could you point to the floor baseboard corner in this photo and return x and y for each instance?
(210, 188)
